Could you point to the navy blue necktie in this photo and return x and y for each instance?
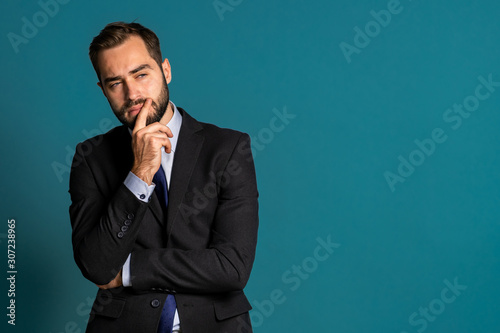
(168, 311)
(161, 188)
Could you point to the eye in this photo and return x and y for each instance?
(114, 84)
(141, 75)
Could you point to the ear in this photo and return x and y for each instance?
(165, 66)
(102, 89)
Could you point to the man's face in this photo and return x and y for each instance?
(129, 75)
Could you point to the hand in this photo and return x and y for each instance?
(115, 283)
(146, 144)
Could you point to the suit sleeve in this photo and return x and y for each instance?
(104, 227)
(226, 263)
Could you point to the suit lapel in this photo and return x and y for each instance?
(187, 151)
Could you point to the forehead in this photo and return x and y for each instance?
(120, 59)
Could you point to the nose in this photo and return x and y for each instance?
(132, 91)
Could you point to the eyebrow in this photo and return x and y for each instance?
(133, 71)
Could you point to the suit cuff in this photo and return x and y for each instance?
(126, 273)
(139, 187)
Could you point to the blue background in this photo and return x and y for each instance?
(320, 177)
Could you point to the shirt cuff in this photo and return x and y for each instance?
(126, 273)
(139, 187)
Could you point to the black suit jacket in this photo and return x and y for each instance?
(202, 250)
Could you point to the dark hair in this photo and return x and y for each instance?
(116, 33)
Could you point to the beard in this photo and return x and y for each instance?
(159, 107)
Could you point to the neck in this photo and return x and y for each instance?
(168, 114)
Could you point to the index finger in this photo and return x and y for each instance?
(142, 116)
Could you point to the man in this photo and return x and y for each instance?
(164, 208)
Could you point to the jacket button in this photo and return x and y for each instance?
(155, 303)
(127, 222)
(130, 216)
(120, 234)
(124, 228)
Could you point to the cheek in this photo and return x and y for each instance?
(152, 88)
(115, 102)
(115, 96)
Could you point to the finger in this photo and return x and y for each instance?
(157, 135)
(158, 140)
(163, 141)
(168, 146)
(165, 129)
(158, 127)
(169, 133)
(155, 128)
(142, 116)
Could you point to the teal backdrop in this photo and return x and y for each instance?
(375, 128)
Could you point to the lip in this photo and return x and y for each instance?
(135, 109)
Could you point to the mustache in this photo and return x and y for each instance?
(130, 104)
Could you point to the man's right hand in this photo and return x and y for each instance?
(146, 144)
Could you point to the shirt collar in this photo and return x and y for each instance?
(175, 126)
